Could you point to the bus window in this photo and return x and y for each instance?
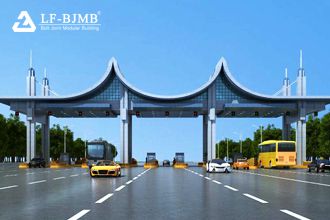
(286, 147)
(95, 151)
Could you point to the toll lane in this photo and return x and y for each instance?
(61, 197)
(306, 199)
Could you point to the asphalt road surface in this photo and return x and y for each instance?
(163, 193)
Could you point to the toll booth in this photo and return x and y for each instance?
(179, 161)
(151, 157)
(179, 157)
(151, 161)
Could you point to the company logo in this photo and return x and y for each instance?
(27, 26)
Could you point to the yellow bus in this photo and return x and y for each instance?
(277, 153)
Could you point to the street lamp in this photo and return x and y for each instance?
(227, 149)
(240, 139)
(261, 128)
(65, 132)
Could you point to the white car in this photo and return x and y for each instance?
(218, 165)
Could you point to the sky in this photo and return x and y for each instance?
(168, 48)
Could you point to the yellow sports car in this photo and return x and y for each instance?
(105, 168)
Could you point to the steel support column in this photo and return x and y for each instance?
(30, 133)
(211, 124)
(286, 128)
(301, 134)
(45, 140)
(205, 117)
(125, 129)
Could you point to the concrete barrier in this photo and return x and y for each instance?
(23, 165)
(253, 167)
(56, 165)
(180, 165)
(150, 165)
(201, 164)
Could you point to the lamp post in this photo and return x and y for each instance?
(240, 140)
(65, 132)
(260, 128)
(227, 149)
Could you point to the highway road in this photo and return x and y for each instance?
(163, 193)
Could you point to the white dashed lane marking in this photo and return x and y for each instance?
(217, 182)
(135, 178)
(255, 198)
(74, 175)
(9, 175)
(208, 178)
(120, 188)
(231, 188)
(79, 214)
(35, 182)
(58, 178)
(8, 187)
(104, 198)
(129, 182)
(294, 214)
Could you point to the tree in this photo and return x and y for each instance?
(323, 149)
(16, 133)
(313, 129)
(78, 149)
(3, 137)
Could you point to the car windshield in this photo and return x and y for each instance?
(106, 163)
(323, 161)
(218, 161)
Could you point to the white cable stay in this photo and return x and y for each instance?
(51, 91)
(281, 90)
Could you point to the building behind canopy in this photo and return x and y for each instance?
(221, 97)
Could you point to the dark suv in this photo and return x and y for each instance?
(37, 162)
(319, 165)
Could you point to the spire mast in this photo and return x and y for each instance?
(301, 59)
(30, 58)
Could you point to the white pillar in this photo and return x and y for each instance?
(211, 123)
(30, 123)
(125, 129)
(301, 123)
(205, 122)
(45, 138)
(211, 135)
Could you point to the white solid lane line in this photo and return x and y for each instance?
(74, 175)
(58, 178)
(129, 182)
(8, 187)
(294, 214)
(284, 178)
(255, 198)
(104, 198)
(40, 181)
(79, 214)
(217, 182)
(120, 188)
(208, 178)
(231, 188)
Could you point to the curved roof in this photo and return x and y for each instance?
(222, 63)
(221, 68)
